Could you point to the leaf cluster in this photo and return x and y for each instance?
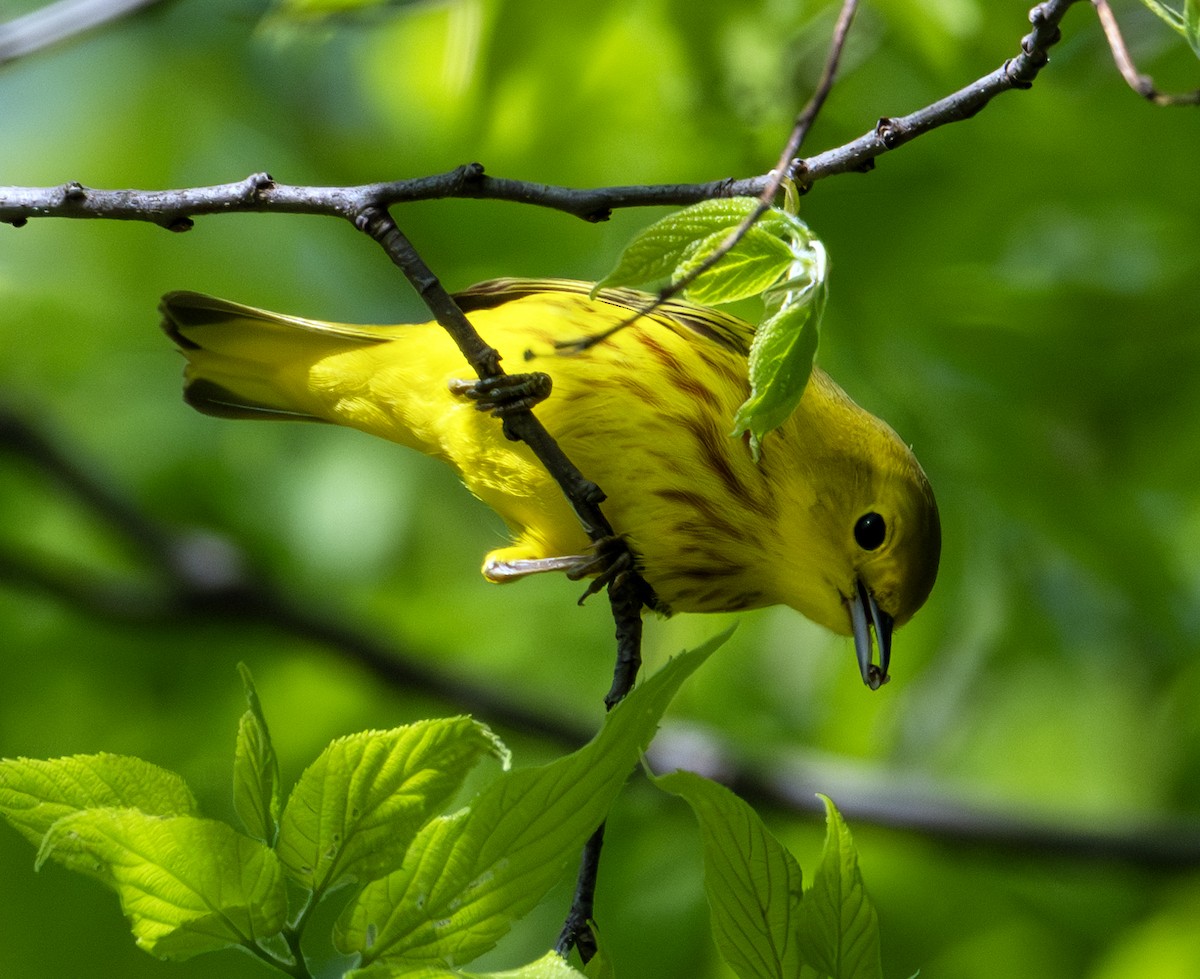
(769, 253)
(426, 892)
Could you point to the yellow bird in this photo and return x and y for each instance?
(836, 519)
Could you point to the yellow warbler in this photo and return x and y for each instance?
(836, 519)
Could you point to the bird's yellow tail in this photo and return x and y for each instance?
(250, 363)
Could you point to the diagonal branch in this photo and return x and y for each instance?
(803, 123)
(890, 133)
(628, 592)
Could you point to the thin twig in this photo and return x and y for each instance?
(57, 22)
(627, 604)
(890, 133)
(800, 128)
(766, 197)
(1142, 84)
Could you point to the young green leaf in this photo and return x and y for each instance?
(752, 882)
(469, 875)
(657, 251)
(1186, 22)
(357, 807)
(1169, 15)
(781, 362)
(187, 885)
(35, 793)
(549, 966)
(755, 263)
(839, 932)
(255, 769)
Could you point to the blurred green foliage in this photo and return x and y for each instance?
(1016, 294)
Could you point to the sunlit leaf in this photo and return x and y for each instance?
(35, 793)
(187, 885)
(753, 884)
(255, 769)
(658, 251)
(549, 966)
(756, 262)
(467, 876)
(357, 807)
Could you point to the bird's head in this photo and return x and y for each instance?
(896, 541)
(880, 536)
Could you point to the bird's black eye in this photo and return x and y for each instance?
(870, 531)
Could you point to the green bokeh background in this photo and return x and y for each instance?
(1017, 295)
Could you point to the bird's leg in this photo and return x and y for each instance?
(504, 395)
(609, 558)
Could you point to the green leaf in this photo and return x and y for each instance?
(677, 245)
(188, 885)
(779, 247)
(840, 929)
(657, 251)
(35, 794)
(600, 965)
(255, 769)
(358, 806)
(469, 875)
(781, 362)
(1169, 15)
(1186, 22)
(755, 263)
(549, 966)
(753, 883)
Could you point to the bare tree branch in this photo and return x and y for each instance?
(175, 209)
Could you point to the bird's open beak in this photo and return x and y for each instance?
(864, 612)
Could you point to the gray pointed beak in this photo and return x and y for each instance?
(865, 613)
